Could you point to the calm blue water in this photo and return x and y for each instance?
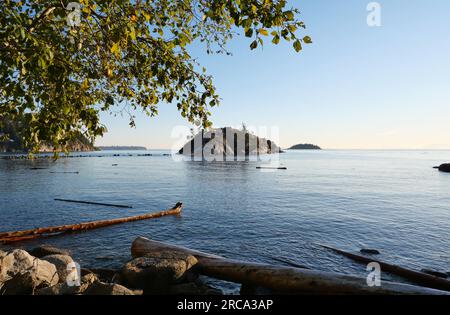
(393, 201)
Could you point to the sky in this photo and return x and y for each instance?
(355, 87)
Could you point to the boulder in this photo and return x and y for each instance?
(101, 288)
(21, 273)
(158, 270)
(61, 262)
(444, 167)
(46, 250)
(65, 289)
(20, 284)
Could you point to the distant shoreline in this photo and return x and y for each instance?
(121, 148)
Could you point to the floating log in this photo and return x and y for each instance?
(93, 203)
(8, 237)
(411, 275)
(65, 172)
(281, 279)
(271, 168)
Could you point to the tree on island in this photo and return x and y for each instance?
(61, 65)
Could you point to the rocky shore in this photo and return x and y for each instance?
(47, 270)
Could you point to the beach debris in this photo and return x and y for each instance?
(271, 168)
(94, 203)
(15, 236)
(369, 251)
(411, 275)
(278, 278)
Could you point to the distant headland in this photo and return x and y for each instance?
(305, 146)
(121, 148)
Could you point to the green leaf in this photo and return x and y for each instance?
(263, 31)
(132, 33)
(289, 15)
(115, 48)
(297, 45)
(307, 40)
(276, 39)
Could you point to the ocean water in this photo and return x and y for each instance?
(393, 201)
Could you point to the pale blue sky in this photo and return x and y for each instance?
(355, 87)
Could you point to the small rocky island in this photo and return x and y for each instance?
(228, 142)
(305, 146)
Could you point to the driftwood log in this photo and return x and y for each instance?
(411, 275)
(93, 203)
(8, 237)
(280, 279)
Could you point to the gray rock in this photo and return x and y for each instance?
(158, 271)
(46, 250)
(60, 262)
(444, 167)
(21, 273)
(101, 288)
(65, 289)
